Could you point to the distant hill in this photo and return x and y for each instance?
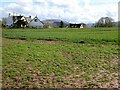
(90, 24)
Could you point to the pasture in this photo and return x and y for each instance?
(60, 58)
(77, 35)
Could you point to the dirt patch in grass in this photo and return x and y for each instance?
(36, 41)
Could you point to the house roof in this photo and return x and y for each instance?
(37, 19)
(28, 19)
(16, 18)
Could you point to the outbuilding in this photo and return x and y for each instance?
(35, 23)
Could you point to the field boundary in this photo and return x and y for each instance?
(37, 41)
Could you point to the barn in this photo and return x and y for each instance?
(81, 25)
(35, 23)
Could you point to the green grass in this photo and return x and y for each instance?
(87, 35)
(34, 64)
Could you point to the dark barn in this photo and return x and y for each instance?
(75, 25)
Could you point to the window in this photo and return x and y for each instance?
(35, 20)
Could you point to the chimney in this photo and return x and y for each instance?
(9, 14)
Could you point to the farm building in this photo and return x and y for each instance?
(14, 21)
(35, 23)
(20, 21)
(55, 23)
(50, 23)
(81, 25)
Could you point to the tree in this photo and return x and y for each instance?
(61, 24)
(104, 22)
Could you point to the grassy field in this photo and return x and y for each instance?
(55, 58)
(88, 35)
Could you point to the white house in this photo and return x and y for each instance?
(35, 23)
(11, 21)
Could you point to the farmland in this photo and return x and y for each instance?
(94, 35)
(60, 58)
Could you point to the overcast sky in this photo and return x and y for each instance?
(76, 11)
